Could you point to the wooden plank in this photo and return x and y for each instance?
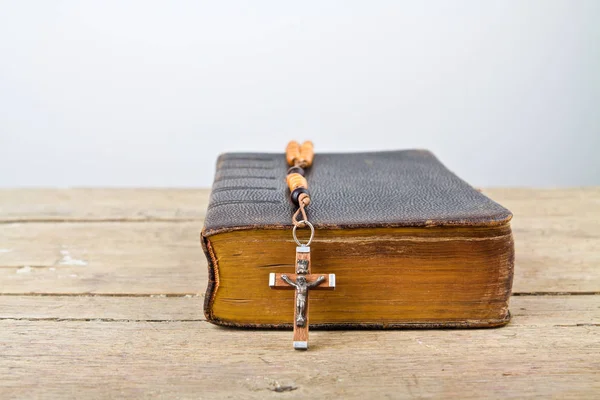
(96, 204)
(526, 310)
(160, 346)
(557, 246)
(544, 352)
(90, 204)
(107, 258)
(166, 258)
(557, 238)
(106, 308)
(533, 203)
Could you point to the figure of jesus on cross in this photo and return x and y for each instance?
(302, 287)
(302, 281)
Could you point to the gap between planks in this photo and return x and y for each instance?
(142, 295)
(134, 295)
(566, 310)
(97, 220)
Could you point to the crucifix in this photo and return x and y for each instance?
(303, 282)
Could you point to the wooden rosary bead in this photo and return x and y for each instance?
(300, 156)
(307, 154)
(295, 181)
(296, 195)
(292, 152)
(296, 170)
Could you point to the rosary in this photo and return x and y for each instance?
(300, 157)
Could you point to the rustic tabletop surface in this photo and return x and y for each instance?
(101, 296)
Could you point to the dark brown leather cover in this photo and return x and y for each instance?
(348, 190)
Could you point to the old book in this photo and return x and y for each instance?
(410, 243)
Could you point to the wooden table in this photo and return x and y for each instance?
(101, 296)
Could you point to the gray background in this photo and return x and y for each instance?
(124, 93)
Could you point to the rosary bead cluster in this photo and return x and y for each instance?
(299, 157)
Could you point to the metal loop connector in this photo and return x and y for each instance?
(312, 233)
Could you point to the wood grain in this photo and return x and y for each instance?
(557, 237)
(143, 333)
(526, 309)
(547, 351)
(165, 258)
(56, 205)
(101, 257)
(575, 204)
(101, 307)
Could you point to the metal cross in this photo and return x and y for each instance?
(302, 281)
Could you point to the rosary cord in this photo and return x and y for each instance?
(301, 209)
